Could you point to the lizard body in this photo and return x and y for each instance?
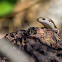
(48, 23)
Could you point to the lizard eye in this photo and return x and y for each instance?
(43, 18)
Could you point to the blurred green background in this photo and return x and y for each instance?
(6, 7)
(21, 14)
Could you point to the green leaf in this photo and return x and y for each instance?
(10, 1)
(5, 8)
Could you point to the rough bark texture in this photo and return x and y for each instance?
(42, 44)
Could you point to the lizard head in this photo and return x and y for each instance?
(47, 22)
